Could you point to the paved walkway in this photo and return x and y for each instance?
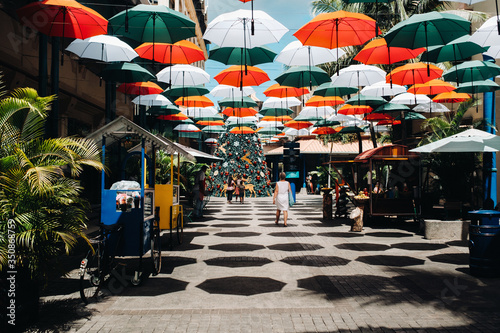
(238, 272)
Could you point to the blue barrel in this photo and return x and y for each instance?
(484, 247)
(485, 217)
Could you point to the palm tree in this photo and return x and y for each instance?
(39, 192)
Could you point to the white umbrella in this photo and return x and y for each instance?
(186, 128)
(358, 75)
(152, 100)
(382, 88)
(183, 75)
(471, 140)
(487, 34)
(271, 123)
(294, 132)
(211, 141)
(103, 48)
(200, 112)
(276, 102)
(410, 99)
(467, 2)
(296, 54)
(315, 112)
(223, 90)
(234, 29)
(431, 107)
(238, 120)
(342, 117)
(493, 51)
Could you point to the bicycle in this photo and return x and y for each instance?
(97, 266)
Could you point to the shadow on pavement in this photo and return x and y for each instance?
(363, 247)
(451, 258)
(229, 225)
(60, 315)
(238, 234)
(290, 234)
(390, 260)
(168, 264)
(155, 286)
(236, 247)
(241, 285)
(387, 234)
(315, 261)
(336, 234)
(238, 261)
(295, 247)
(419, 246)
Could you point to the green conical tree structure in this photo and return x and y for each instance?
(242, 154)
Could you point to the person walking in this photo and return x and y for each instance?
(230, 189)
(280, 198)
(199, 191)
(241, 188)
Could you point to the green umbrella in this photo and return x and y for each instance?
(276, 112)
(360, 99)
(429, 29)
(242, 56)
(391, 107)
(458, 49)
(411, 116)
(303, 76)
(478, 87)
(238, 102)
(147, 23)
(241, 124)
(212, 118)
(308, 117)
(269, 131)
(126, 72)
(328, 89)
(163, 110)
(180, 91)
(214, 129)
(325, 122)
(475, 70)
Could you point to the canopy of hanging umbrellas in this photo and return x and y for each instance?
(356, 97)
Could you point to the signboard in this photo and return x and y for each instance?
(292, 174)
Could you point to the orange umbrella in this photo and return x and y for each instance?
(276, 118)
(319, 101)
(242, 130)
(210, 122)
(277, 90)
(298, 125)
(176, 117)
(182, 52)
(140, 88)
(194, 101)
(326, 130)
(349, 109)
(337, 29)
(432, 87)
(238, 75)
(414, 73)
(377, 52)
(377, 116)
(239, 112)
(389, 122)
(451, 97)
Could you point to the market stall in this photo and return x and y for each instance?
(128, 195)
(383, 181)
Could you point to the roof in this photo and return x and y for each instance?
(121, 127)
(199, 155)
(315, 146)
(385, 151)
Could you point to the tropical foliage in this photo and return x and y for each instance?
(39, 191)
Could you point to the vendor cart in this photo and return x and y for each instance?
(133, 204)
(383, 181)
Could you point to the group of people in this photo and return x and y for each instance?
(236, 187)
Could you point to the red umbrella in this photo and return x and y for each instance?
(414, 73)
(242, 130)
(194, 101)
(140, 88)
(181, 52)
(173, 117)
(432, 87)
(239, 76)
(348, 109)
(63, 18)
(319, 101)
(377, 116)
(326, 130)
(297, 124)
(377, 52)
(277, 90)
(239, 112)
(451, 97)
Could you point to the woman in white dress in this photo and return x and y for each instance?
(280, 198)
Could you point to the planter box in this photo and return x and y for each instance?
(450, 230)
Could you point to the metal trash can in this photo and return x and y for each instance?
(484, 247)
(485, 217)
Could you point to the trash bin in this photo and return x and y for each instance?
(327, 204)
(485, 217)
(484, 247)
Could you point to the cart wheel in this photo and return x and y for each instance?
(136, 280)
(156, 248)
(90, 278)
(180, 229)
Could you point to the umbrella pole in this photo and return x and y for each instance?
(376, 18)
(126, 17)
(252, 25)
(154, 28)
(337, 43)
(498, 21)
(427, 50)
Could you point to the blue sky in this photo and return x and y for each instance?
(293, 14)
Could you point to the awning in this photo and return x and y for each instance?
(121, 127)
